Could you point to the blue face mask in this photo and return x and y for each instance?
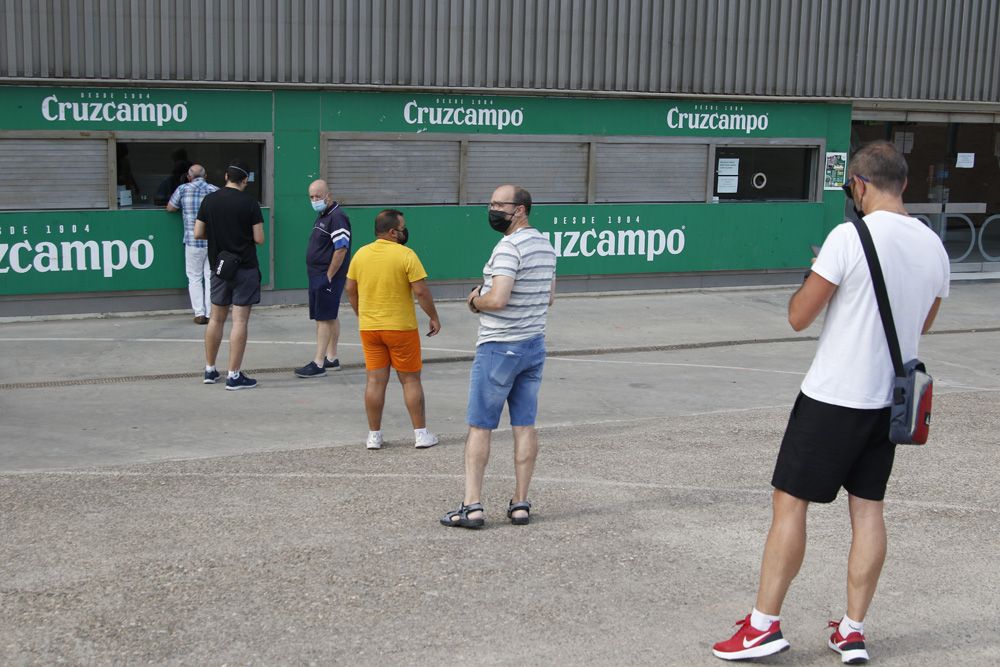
(319, 206)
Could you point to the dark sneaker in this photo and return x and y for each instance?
(211, 377)
(201, 319)
(310, 370)
(749, 642)
(851, 648)
(241, 381)
(334, 364)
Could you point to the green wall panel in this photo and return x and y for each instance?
(63, 252)
(453, 241)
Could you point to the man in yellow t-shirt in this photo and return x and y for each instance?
(382, 280)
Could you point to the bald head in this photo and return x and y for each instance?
(514, 195)
(318, 189)
(196, 171)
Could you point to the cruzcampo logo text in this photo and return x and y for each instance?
(104, 256)
(710, 117)
(473, 115)
(134, 109)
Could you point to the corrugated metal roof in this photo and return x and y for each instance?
(857, 49)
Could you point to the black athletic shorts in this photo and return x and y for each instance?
(828, 446)
(242, 290)
(324, 297)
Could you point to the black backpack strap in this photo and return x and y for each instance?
(881, 296)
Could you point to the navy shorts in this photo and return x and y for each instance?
(828, 446)
(505, 372)
(324, 297)
(242, 290)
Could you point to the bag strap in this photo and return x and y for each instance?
(881, 296)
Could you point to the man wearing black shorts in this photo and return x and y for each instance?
(328, 256)
(232, 222)
(838, 432)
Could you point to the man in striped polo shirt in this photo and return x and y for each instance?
(512, 303)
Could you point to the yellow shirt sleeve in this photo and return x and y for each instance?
(414, 269)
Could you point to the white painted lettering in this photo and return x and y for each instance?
(15, 257)
(147, 254)
(408, 112)
(79, 247)
(675, 241)
(46, 250)
(656, 245)
(108, 260)
(47, 113)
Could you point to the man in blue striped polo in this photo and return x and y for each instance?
(512, 303)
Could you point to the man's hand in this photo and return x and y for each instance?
(435, 326)
(476, 291)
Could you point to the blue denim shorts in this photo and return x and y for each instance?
(505, 372)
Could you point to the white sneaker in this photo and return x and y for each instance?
(374, 441)
(426, 440)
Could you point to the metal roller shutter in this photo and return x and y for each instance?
(554, 172)
(657, 172)
(374, 172)
(41, 174)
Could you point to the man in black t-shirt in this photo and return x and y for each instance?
(232, 222)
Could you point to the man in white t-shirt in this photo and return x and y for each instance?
(838, 432)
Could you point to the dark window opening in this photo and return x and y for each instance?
(150, 171)
(759, 173)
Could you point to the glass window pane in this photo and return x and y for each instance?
(152, 170)
(765, 173)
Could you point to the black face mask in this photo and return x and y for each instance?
(402, 236)
(500, 222)
(857, 211)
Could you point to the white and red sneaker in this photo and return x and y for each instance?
(749, 642)
(851, 648)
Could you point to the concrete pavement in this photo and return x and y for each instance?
(139, 525)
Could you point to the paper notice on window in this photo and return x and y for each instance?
(729, 166)
(903, 141)
(965, 161)
(728, 184)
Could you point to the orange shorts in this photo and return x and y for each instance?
(399, 349)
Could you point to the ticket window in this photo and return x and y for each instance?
(149, 171)
(765, 173)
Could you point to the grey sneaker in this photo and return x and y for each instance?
(310, 370)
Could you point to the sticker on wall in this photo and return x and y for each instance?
(965, 161)
(836, 171)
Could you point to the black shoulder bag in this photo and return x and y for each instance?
(910, 411)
